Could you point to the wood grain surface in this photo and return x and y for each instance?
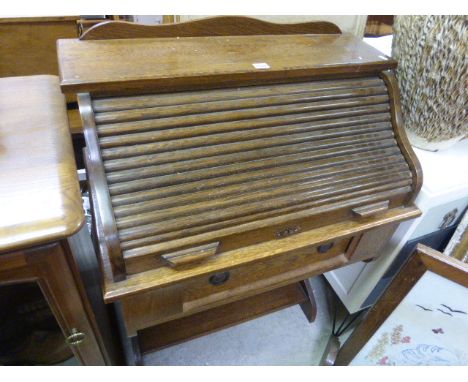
(166, 64)
(28, 44)
(39, 189)
(164, 276)
(210, 26)
(195, 167)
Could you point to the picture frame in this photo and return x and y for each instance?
(421, 319)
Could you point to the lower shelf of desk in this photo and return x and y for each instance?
(221, 317)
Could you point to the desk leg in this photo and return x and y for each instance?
(309, 307)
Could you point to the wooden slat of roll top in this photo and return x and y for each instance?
(236, 104)
(319, 132)
(146, 160)
(201, 107)
(190, 182)
(213, 141)
(233, 162)
(157, 243)
(199, 132)
(308, 185)
(344, 191)
(226, 148)
(191, 193)
(169, 132)
(265, 199)
(231, 175)
(213, 193)
(169, 99)
(365, 149)
(251, 145)
(235, 115)
(165, 180)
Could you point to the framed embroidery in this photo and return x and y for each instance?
(421, 319)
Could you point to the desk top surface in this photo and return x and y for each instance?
(161, 64)
(39, 190)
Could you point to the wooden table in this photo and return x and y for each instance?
(41, 225)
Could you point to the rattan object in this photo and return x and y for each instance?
(433, 78)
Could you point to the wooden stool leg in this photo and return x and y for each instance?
(309, 307)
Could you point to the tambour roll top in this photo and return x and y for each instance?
(234, 155)
(190, 164)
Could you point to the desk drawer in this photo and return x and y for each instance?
(200, 293)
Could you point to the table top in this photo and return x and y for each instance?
(170, 63)
(39, 190)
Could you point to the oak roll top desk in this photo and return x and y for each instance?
(225, 167)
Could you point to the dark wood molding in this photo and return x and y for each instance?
(97, 232)
(423, 259)
(100, 191)
(400, 133)
(210, 26)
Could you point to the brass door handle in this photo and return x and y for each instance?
(75, 338)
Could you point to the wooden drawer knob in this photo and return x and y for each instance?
(219, 278)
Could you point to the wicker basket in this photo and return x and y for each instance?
(433, 78)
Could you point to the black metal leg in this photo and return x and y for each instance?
(345, 324)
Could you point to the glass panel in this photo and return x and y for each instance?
(29, 332)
